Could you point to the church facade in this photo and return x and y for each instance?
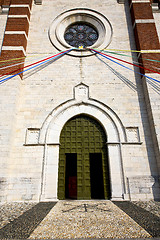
(79, 100)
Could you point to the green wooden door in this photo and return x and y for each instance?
(83, 136)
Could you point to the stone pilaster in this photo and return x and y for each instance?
(147, 42)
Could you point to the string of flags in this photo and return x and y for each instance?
(106, 53)
(110, 58)
(33, 65)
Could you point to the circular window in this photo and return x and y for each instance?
(81, 35)
(80, 28)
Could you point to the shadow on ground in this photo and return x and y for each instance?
(146, 219)
(23, 226)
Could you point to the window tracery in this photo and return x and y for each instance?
(81, 34)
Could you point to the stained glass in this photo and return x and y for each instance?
(81, 34)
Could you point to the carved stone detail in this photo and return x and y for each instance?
(132, 134)
(81, 92)
(32, 136)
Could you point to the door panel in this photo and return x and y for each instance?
(71, 176)
(96, 175)
(82, 135)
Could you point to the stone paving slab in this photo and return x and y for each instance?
(88, 219)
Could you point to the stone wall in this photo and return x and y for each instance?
(30, 102)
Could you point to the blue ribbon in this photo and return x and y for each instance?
(125, 66)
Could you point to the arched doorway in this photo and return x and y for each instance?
(83, 160)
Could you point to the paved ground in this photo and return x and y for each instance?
(80, 220)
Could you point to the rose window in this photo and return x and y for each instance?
(81, 34)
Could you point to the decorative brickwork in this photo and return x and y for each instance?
(22, 2)
(5, 2)
(152, 64)
(19, 11)
(145, 33)
(146, 36)
(16, 24)
(12, 54)
(15, 40)
(138, 12)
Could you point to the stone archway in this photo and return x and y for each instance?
(50, 136)
(83, 160)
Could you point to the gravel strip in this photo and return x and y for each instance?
(87, 219)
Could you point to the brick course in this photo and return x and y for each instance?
(138, 12)
(146, 36)
(5, 2)
(21, 2)
(150, 64)
(15, 40)
(19, 11)
(12, 54)
(17, 24)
